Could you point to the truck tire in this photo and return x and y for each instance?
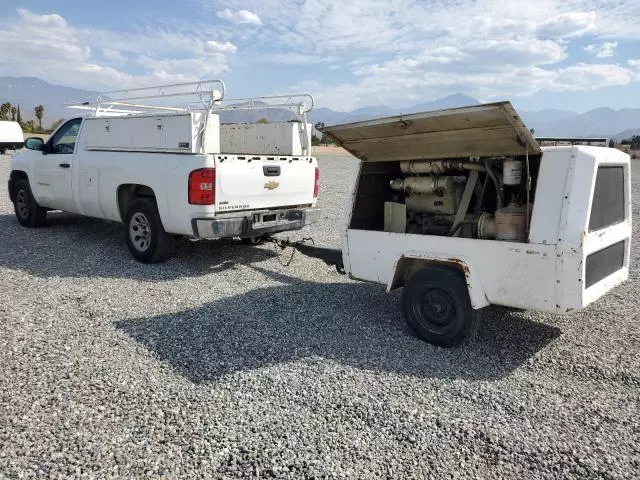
(28, 212)
(436, 304)
(146, 237)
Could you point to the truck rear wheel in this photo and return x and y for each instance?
(436, 304)
(28, 212)
(146, 237)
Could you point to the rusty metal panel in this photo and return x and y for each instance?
(484, 130)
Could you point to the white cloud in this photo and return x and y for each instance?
(602, 50)
(226, 47)
(189, 67)
(60, 53)
(589, 77)
(240, 16)
(373, 51)
(570, 24)
(113, 55)
(395, 50)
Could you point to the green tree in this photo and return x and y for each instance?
(635, 142)
(29, 126)
(18, 116)
(13, 113)
(263, 120)
(39, 113)
(56, 124)
(5, 108)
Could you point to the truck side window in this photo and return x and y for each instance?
(64, 141)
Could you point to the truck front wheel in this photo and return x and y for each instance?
(146, 237)
(28, 212)
(436, 304)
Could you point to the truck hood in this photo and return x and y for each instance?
(493, 129)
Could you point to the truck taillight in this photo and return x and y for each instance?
(316, 185)
(202, 186)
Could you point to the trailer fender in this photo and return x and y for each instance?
(407, 264)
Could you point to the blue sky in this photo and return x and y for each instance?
(571, 54)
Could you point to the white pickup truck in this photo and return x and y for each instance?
(171, 171)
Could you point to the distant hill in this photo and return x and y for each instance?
(617, 124)
(536, 119)
(598, 122)
(30, 91)
(627, 134)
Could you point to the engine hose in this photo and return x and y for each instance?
(499, 187)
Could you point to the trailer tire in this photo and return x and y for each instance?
(436, 304)
(147, 240)
(28, 212)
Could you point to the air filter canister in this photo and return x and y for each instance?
(512, 171)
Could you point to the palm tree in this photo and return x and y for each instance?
(39, 112)
(13, 113)
(4, 110)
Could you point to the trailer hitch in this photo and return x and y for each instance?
(329, 255)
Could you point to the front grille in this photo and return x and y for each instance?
(607, 207)
(603, 263)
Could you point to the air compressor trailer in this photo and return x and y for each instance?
(463, 209)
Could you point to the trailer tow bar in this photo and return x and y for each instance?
(329, 255)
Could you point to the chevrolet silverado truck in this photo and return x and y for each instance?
(171, 171)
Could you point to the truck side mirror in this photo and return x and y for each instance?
(34, 143)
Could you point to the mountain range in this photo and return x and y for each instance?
(617, 124)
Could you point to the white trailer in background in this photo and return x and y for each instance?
(167, 171)
(464, 209)
(11, 136)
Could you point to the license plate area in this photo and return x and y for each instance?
(268, 217)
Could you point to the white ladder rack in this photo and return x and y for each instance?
(207, 93)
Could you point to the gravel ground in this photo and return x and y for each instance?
(223, 363)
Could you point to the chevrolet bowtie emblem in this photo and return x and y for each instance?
(272, 185)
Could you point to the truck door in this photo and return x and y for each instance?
(54, 169)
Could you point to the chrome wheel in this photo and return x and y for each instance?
(140, 232)
(23, 205)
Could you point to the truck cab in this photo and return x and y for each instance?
(464, 209)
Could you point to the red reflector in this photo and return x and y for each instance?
(202, 189)
(316, 185)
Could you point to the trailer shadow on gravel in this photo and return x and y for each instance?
(76, 246)
(354, 324)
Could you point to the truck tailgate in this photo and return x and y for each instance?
(258, 182)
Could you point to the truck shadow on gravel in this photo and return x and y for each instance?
(75, 246)
(354, 324)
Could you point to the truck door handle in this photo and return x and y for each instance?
(271, 171)
(64, 165)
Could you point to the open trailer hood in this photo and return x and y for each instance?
(493, 129)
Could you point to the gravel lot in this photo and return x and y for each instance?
(223, 363)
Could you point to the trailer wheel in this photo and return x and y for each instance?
(146, 238)
(436, 304)
(28, 212)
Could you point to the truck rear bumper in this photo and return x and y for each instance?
(254, 224)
